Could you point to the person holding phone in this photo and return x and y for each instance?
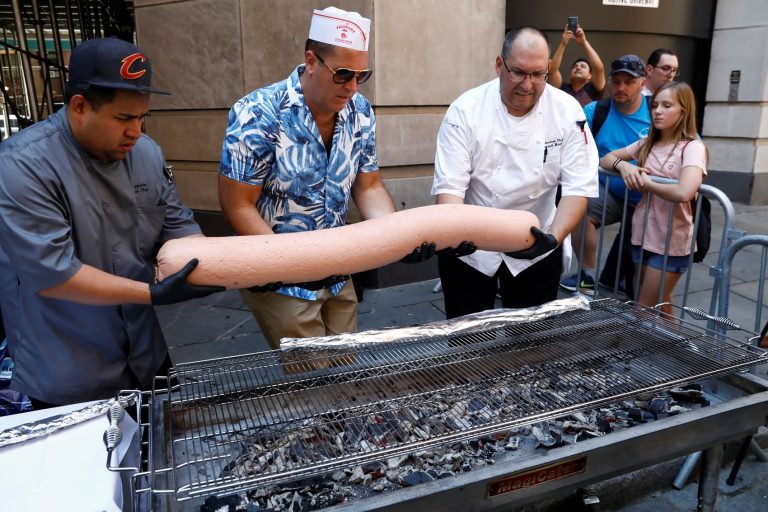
(587, 75)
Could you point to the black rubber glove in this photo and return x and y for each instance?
(421, 253)
(464, 249)
(543, 244)
(175, 287)
(269, 287)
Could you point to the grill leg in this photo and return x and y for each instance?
(685, 471)
(739, 459)
(589, 501)
(710, 471)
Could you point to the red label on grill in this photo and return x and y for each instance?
(537, 476)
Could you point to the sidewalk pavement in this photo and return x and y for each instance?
(221, 326)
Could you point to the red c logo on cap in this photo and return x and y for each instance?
(125, 69)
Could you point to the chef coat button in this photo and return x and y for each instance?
(115, 249)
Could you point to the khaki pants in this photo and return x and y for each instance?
(280, 316)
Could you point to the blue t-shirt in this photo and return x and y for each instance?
(619, 131)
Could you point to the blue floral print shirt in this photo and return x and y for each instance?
(272, 141)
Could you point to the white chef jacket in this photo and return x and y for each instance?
(491, 158)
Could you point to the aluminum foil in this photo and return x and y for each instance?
(476, 322)
(46, 426)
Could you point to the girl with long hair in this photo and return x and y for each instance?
(671, 150)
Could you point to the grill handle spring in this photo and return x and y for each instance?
(113, 435)
(700, 314)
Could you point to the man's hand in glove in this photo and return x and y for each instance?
(421, 253)
(175, 287)
(543, 244)
(464, 249)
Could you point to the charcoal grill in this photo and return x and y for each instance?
(224, 420)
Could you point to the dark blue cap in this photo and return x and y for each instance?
(111, 63)
(631, 64)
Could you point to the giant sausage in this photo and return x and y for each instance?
(245, 261)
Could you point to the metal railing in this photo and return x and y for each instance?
(727, 236)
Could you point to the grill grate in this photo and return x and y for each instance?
(243, 422)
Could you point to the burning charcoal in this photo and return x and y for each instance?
(543, 435)
(422, 433)
(215, 504)
(378, 433)
(574, 431)
(513, 443)
(296, 452)
(660, 404)
(393, 475)
(691, 393)
(252, 507)
(474, 405)
(379, 486)
(295, 505)
(355, 429)
(457, 423)
(580, 417)
(677, 409)
(412, 478)
(459, 409)
(357, 475)
(396, 462)
(412, 415)
(449, 457)
(640, 415)
(338, 476)
(436, 426)
(372, 468)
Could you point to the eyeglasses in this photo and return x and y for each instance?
(517, 75)
(669, 70)
(344, 75)
(632, 66)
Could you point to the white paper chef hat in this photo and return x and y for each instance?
(341, 28)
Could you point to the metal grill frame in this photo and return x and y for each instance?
(209, 395)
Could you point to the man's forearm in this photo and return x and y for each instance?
(567, 216)
(98, 288)
(448, 199)
(374, 202)
(247, 221)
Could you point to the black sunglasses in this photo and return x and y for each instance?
(344, 75)
(628, 65)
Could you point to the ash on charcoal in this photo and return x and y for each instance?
(343, 433)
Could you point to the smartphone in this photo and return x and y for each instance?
(573, 23)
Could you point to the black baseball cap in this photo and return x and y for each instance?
(631, 64)
(112, 63)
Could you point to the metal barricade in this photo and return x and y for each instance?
(726, 237)
(724, 272)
